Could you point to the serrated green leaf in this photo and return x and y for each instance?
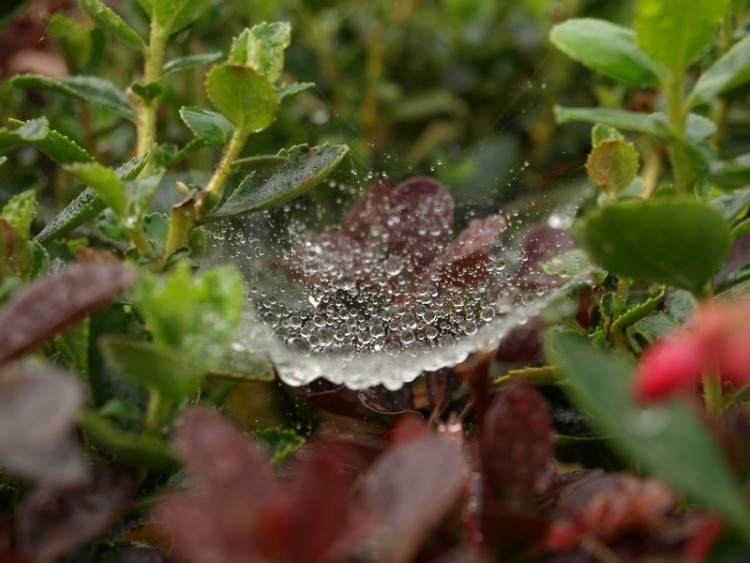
(730, 71)
(104, 182)
(138, 450)
(675, 34)
(245, 97)
(733, 205)
(89, 88)
(636, 312)
(106, 19)
(129, 170)
(606, 48)
(279, 443)
(84, 207)
(20, 211)
(191, 61)
(152, 366)
(305, 168)
(612, 165)
(243, 365)
(601, 133)
(173, 15)
(288, 91)
(669, 440)
(208, 126)
(193, 315)
(675, 241)
(262, 48)
(30, 132)
(55, 145)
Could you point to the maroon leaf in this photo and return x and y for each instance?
(57, 519)
(384, 401)
(51, 304)
(522, 344)
(517, 466)
(540, 245)
(37, 416)
(441, 385)
(420, 219)
(412, 488)
(370, 212)
(336, 399)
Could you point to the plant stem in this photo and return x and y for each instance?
(154, 412)
(224, 168)
(151, 73)
(712, 393)
(182, 220)
(677, 117)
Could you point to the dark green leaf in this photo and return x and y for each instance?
(305, 169)
(733, 205)
(106, 19)
(31, 131)
(208, 126)
(84, 207)
(733, 173)
(147, 92)
(674, 33)
(89, 88)
(606, 48)
(191, 61)
(730, 71)
(151, 366)
(670, 440)
(245, 97)
(20, 211)
(636, 312)
(57, 146)
(279, 443)
(173, 15)
(130, 169)
(137, 450)
(674, 241)
(262, 48)
(289, 91)
(104, 182)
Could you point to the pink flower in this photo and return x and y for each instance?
(717, 338)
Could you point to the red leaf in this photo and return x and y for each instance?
(412, 488)
(384, 401)
(51, 304)
(370, 210)
(55, 520)
(37, 416)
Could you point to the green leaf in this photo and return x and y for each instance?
(730, 174)
(568, 264)
(146, 92)
(89, 88)
(289, 91)
(638, 311)
(305, 168)
(208, 126)
(173, 15)
(601, 133)
(674, 33)
(191, 61)
(151, 366)
(730, 71)
(675, 241)
(20, 211)
(138, 450)
(606, 48)
(55, 145)
(733, 205)
(140, 192)
(193, 315)
(104, 182)
(262, 48)
(697, 127)
(247, 98)
(106, 19)
(30, 132)
(612, 165)
(279, 443)
(669, 440)
(243, 365)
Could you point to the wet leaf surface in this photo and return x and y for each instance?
(384, 401)
(38, 407)
(55, 520)
(51, 304)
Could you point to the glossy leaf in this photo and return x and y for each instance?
(106, 19)
(245, 97)
(138, 450)
(279, 443)
(606, 48)
(38, 406)
(411, 488)
(568, 264)
(181, 64)
(262, 48)
(305, 168)
(730, 71)
(104, 182)
(151, 366)
(49, 305)
(675, 241)
(674, 35)
(193, 315)
(208, 126)
(669, 440)
(88, 88)
(55, 520)
(173, 15)
(612, 165)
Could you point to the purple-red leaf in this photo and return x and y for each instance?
(57, 519)
(38, 406)
(412, 488)
(369, 213)
(384, 401)
(51, 304)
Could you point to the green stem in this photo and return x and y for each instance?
(155, 411)
(151, 73)
(677, 117)
(712, 393)
(224, 168)
(180, 224)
